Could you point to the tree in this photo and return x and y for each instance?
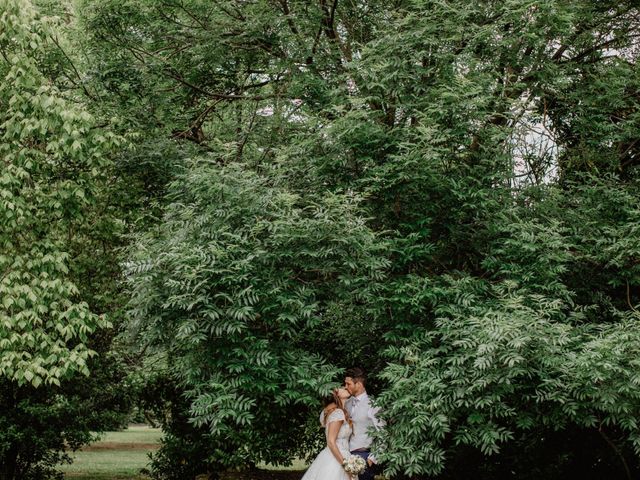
(493, 147)
(491, 247)
(225, 285)
(53, 162)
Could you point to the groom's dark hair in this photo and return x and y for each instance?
(357, 374)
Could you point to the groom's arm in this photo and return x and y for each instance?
(379, 424)
(377, 421)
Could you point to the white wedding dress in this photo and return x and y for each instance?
(325, 466)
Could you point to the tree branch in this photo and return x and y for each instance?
(171, 72)
(617, 452)
(73, 67)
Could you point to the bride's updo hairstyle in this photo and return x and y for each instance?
(334, 398)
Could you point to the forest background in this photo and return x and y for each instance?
(209, 208)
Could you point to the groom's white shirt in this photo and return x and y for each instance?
(363, 416)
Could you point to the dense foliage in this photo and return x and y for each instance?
(444, 192)
(50, 159)
(54, 259)
(227, 283)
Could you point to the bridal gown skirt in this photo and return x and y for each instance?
(326, 467)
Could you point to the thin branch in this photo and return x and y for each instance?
(73, 67)
(238, 15)
(591, 50)
(617, 451)
(173, 19)
(292, 26)
(314, 48)
(330, 29)
(199, 120)
(170, 71)
(193, 17)
(245, 137)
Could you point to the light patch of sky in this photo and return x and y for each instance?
(533, 143)
(534, 150)
(291, 111)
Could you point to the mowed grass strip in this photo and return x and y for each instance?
(121, 456)
(116, 456)
(297, 466)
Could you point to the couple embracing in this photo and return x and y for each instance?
(347, 417)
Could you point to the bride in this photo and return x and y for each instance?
(337, 427)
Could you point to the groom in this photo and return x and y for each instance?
(364, 416)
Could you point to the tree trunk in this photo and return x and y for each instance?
(9, 463)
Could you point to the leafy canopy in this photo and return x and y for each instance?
(51, 155)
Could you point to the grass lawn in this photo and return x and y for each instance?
(298, 465)
(116, 456)
(134, 434)
(121, 456)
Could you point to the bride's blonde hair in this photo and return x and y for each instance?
(334, 398)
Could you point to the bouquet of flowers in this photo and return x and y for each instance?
(354, 465)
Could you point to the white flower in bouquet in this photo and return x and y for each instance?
(354, 465)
